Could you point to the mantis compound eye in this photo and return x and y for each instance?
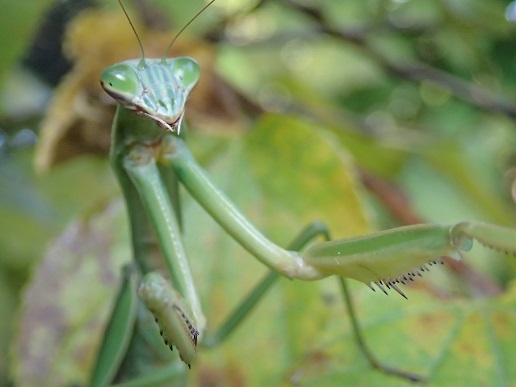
(187, 71)
(120, 81)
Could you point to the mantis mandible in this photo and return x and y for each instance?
(147, 150)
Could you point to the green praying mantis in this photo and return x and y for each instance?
(150, 159)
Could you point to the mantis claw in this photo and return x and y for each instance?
(393, 285)
(379, 284)
(172, 315)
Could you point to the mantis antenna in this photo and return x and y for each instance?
(134, 30)
(185, 27)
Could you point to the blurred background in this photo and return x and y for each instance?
(420, 97)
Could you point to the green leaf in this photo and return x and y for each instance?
(304, 174)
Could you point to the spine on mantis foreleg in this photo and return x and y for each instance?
(172, 314)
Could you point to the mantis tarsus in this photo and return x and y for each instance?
(144, 155)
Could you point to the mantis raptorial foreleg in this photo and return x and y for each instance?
(173, 315)
(384, 258)
(143, 171)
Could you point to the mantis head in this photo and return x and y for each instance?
(156, 88)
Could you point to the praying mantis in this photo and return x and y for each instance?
(150, 159)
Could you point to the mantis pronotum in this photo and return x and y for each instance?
(156, 90)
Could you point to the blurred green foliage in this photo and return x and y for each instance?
(419, 94)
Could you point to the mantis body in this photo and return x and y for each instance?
(145, 156)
